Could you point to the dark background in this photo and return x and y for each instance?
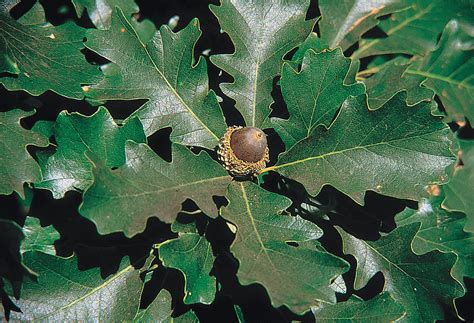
(79, 235)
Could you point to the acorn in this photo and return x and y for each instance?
(243, 150)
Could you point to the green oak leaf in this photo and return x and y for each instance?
(460, 190)
(160, 311)
(448, 70)
(395, 150)
(69, 168)
(389, 79)
(343, 22)
(381, 308)
(161, 71)
(314, 94)
(192, 254)
(148, 186)
(38, 238)
(265, 257)
(44, 58)
(100, 11)
(443, 231)
(262, 33)
(422, 284)
(64, 293)
(16, 165)
(414, 30)
(311, 42)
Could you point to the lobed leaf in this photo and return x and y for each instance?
(262, 33)
(443, 231)
(448, 70)
(192, 254)
(414, 30)
(265, 257)
(16, 164)
(344, 22)
(459, 191)
(314, 94)
(422, 284)
(38, 238)
(395, 150)
(98, 135)
(148, 186)
(392, 78)
(162, 72)
(41, 58)
(85, 296)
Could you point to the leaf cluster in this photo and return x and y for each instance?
(114, 207)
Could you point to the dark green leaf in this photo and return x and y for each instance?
(44, 58)
(395, 150)
(448, 70)
(161, 71)
(421, 283)
(314, 94)
(389, 79)
(381, 308)
(443, 231)
(414, 30)
(262, 33)
(16, 164)
(192, 255)
(460, 190)
(38, 238)
(147, 186)
(63, 293)
(296, 276)
(311, 42)
(343, 22)
(98, 135)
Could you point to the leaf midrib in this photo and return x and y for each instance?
(135, 35)
(346, 150)
(172, 188)
(91, 292)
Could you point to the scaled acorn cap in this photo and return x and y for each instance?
(243, 151)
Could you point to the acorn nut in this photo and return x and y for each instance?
(243, 151)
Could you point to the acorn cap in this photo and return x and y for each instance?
(243, 151)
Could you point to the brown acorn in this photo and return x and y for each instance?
(243, 151)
